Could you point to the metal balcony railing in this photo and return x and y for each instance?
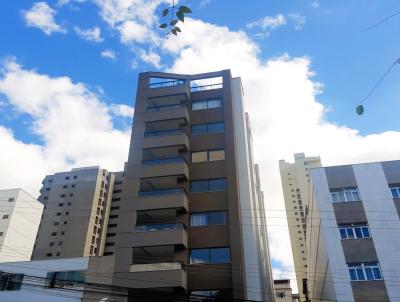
(167, 84)
(164, 132)
(161, 192)
(154, 227)
(164, 107)
(171, 160)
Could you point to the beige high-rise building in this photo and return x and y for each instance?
(76, 214)
(295, 184)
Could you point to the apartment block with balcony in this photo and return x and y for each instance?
(188, 219)
(76, 214)
(353, 233)
(296, 189)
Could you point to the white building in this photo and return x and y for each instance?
(295, 185)
(60, 280)
(20, 216)
(353, 233)
(283, 291)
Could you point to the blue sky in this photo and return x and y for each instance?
(304, 65)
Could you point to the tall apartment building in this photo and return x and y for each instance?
(353, 233)
(295, 184)
(189, 217)
(20, 215)
(76, 214)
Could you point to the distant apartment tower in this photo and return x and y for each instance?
(20, 215)
(77, 207)
(189, 219)
(283, 291)
(295, 184)
(353, 233)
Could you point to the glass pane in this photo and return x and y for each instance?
(61, 276)
(343, 233)
(220, 255)
(199, 129)
(80, 277)
(368, 273)
(199, 219)
(341, 196)
(15, 282)
(199, 156)
(200, 256)
(217, 155)
(218, 217)
(199, 105)
(360, 274)
(356, 196)
(334, 197)
(199, 186)
(218, 184)
(377, 273)
(365, 232)
(349, 197)
(353, 275)
(395, 193)
(350, 233)
(358, 232)
(214, 103)
(215, 127)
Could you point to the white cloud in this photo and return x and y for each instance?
(151, 58)
(91, 34)
(42, 16)
(65, 2)
(204, 3)
(134, 32)
(268, 23)
(122, 110)
(298, 20)
(282, 99)
(109, 54)
(66, 116)
(316, 4)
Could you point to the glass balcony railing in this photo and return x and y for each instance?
(164, 107)
(161, 192)
(171, 83)
(164, 132)
(206, 87)
(161, 161)
(159, 227)
(153, 267)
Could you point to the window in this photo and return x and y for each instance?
(53, 233)
(395, 191)
(208, 218)
(1, 233)
(75, 177)
(69, 203)
(6, 216)
(73, 185)
(117, 191)
(62, 195)
(111, 234)
(61, 279)
(113, 216)
(65, 186)
(206, 104)
(209, 155)
(51, 244)
(110, 244)
(60, 243)
(10, 281)
(108, 253)
(345, 195)
(112, 225)
(60, 204)
(208, 128)
(10, 199)
(45, 198)
(114, 208)
(364, 271)
(58, 254)
(66, 177)
(209, 256)
(218, 184)
(63, 232)
(354, 231)
(66, 213)
(70, 195)
(214, 294)
(116, 199)
(56, 223)
(65, 222)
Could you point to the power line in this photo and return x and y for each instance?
(380, 22)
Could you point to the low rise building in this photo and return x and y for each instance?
(283, 291)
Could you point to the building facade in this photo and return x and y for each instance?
(20, 216)
(76, 214)
(283, 291)
(188, 217)
(57, 280)
(353, 233)
(295, 184)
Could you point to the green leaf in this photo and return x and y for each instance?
(174, 31)
(163, 25)
(165, 12)
(185, 9)
(360, 109)
(173, 22)
(177, 29)
(180, 16)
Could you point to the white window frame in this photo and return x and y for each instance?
(364, 266)
(353, 228)
(342, 195)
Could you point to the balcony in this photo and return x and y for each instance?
(168, 236)
(164, 167)
(163, 112)
(153, 227)
(162, 87)
(146, 275)
(162, 199)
